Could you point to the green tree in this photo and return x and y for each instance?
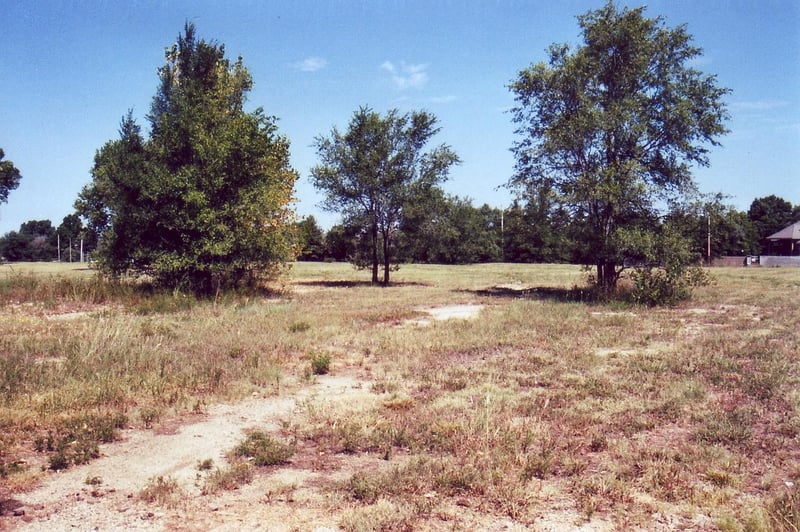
(204, 202)
(537, 229)
(443, 229)
(70, 232)
(14, 247)
(374, 169)
(311, 240)
(35, 241)
(731, 231)
(340, 242)
(613, 127)
(9, 177)
(769, 215)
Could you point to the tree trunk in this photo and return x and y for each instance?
(375, 252)
(607, 276)
(386, 259)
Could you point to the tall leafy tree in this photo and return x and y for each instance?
(311, 239)
(204, 202)
(371, 173)
(613, 128)
(769, 215)
(9, 177)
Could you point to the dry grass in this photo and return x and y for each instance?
(686, 416)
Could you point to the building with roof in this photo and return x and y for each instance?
(785, 242)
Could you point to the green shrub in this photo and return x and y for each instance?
(264, 450)
(76, 440)
(320, 364)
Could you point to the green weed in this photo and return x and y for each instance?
(263, 450)
(320, 364)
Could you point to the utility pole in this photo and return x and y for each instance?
(502, 236)
(708, 252)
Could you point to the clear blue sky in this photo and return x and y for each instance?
(69, 70)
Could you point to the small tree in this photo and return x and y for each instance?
(373, 171)
(203, 203)
(613, 127)
(70, 232)
(9, 177)
(311, 240)
(664, 267)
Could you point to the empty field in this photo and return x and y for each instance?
(371, 408)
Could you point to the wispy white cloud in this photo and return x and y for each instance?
(311, 64)
(407, 76)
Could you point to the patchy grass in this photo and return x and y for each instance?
(226, 479)
(162, 491)
(263, 450)
(544, 404)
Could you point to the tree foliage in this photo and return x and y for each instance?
(537, 229)
(613, 127)
(665, 271)
(372, 172)
(341, 242)
(35, 241)
(9, 177)
(769, 215)
(204, 202)
(311, 240)
(731, 231)
(444, 229)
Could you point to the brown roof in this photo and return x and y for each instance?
(787, 233)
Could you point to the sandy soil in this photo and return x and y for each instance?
(66, 501)
(452, 312)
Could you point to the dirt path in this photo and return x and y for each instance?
(66, 500)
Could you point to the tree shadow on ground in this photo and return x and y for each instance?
(354, 284)
(546, 293)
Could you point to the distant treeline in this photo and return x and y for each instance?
(450, 230)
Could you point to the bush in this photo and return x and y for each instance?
(665, 270)
(264, 450)
(320, 364)
(659, 286)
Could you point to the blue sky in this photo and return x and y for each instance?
(70, 70)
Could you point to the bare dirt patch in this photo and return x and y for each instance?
(110, 501)
(452, 312)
